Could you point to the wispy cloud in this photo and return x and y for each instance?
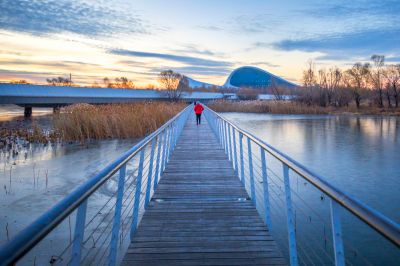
(55, 16)
(268, 64)
(193, 49)
(171, 57)
(346, 45)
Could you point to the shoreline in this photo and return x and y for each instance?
(295, 108)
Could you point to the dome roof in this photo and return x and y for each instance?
(248, 76)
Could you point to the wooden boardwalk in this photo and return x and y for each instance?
(200, 213)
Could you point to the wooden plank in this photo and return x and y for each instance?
(201, 213)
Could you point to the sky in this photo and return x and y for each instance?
(203, 39)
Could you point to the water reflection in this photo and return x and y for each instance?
(360, 155)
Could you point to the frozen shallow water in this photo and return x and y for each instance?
(39, 176)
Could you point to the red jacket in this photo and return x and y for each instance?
(198, 109)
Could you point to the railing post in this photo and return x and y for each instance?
(164, 151)
(159, 146)
(225, 137)
(150, 174)
(169, 144)
(265, 187)
(290, 220)
(112, 259)
(219, 130)
(252, 187)
(138, 190)
(78, 234)
(230, 143)
(235, 152)
(241, 159)
(337, 233)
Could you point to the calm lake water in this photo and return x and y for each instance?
(360, 155)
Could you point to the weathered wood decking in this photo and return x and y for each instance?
(200, 213)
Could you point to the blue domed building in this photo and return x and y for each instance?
(254, 77)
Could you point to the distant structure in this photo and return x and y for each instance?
(246, 76)
(254, 77)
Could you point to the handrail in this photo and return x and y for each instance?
(380, 223)
(27, 238)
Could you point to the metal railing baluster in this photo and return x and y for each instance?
(290, 219)
(337, 234)
(235, 160)
(225, 137)
(150, 174)
(78, 234)
(230, 144)
(252, 188)
(156, 174)
(138, 190)
(164, 151)
(112, 258)
(241, 159)
(265, 189)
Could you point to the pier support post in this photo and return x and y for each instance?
(28, 111)
(56, 109)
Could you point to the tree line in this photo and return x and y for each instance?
(371, 83)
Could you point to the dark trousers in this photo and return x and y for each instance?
(198, 119)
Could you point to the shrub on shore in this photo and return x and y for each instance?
(83, 121)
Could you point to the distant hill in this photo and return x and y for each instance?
(247, 76)
(198, 84)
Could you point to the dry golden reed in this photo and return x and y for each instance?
(292, 107)
(83, 122)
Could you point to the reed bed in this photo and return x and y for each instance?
(83, 122)
(291, 107)
(274, 107)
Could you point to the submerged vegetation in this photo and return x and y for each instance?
(83, 122)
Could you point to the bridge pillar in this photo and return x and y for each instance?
(56, 109)
(28, 111)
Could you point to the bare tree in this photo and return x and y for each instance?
(333, 80)
(277, 91)
(170, 81)
(309, 83)
(184, 84)
(356, 79)
(376, 76)
(392, 74)
(309, 78)
(59, 81)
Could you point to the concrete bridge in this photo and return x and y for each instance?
(204, 194)
(29, 96)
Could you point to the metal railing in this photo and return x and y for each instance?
(282, 207)
(106, 208)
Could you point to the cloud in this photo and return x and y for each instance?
(355, 9)
(55, 16)
(196, 70)
(171, 57)
(193, 49)
(265, 63)
(346, 45)
(253, 23)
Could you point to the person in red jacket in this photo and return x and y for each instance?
(198, 109)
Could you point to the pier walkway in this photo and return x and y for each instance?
(212, 194)
(200, 213)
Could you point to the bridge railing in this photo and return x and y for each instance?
(302, 209)
(93, 224)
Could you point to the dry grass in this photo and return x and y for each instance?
(288, 107)
(83, 122)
